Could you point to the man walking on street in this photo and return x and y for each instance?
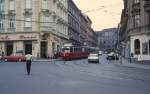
(28, 63)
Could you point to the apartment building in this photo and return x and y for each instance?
(135, 23)
(38, 27)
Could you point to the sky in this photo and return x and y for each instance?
(104, 14)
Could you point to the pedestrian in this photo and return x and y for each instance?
(1, 59)
(140, 59)
(120, 59)
(28, 63)
(131, 57)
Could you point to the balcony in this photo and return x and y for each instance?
(46, 29)
(139, 30)
(147, 5)
(2, 30)
(11, 29)
(11, 12)
(45, 10)
(27, 11)
(28, 29)
(136, 8)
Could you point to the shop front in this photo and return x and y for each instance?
(13, 43)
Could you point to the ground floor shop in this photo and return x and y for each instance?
(140, 45)
(39, 45)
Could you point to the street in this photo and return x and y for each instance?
(74, 77)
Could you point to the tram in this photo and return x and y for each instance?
(69, 52)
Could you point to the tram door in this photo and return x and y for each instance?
(28, 47)
(9, 48)
(43, 49)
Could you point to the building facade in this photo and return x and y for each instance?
(38, 27)
(88, 36)
(79, 29)
(107, 39)
(137, 27)
(74, 23)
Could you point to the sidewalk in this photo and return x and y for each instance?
(125, 62)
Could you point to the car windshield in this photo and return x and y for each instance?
(94, 55)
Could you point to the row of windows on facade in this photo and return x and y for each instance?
(136, 17)
(45, 21)
(28, 4)
(28, 23)
(73, 10)
(73, 23)
(136, 1)
(137, 21)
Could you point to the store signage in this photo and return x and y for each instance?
(28, 37)
(6, 37)
(18, 37)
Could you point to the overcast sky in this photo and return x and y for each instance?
(107, 15)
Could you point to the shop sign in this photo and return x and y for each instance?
(18, 37)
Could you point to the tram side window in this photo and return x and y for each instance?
(83, 49)
(71, 49)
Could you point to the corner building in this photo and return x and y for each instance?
(135, 27)
(38, 27)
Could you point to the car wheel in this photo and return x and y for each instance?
(6, 60)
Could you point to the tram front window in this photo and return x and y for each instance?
(66, 50)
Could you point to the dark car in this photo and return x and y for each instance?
(112, 56)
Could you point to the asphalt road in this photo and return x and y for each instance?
(73, 77)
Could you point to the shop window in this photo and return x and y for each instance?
(145, 48)
(137, 46)
(149, 46)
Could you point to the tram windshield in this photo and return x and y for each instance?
(66, 49)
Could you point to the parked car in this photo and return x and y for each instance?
(112, 56)
(15, 57)
(93, 58)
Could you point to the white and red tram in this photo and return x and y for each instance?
(69, 52)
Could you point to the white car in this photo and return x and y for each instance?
(100, 52)
(93, 58)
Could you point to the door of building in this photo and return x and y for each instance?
(9, 48)
(28, 47)
(43, 49)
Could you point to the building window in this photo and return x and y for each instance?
(148, 18)
(44, 4)
(1, 23)
(28, 4)
(1, 5)
(11, 5)
(137, 46)
(136, 1)
(45, 21)
(28, 21)
(11, 22)
(136, 20)
(145, 48)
